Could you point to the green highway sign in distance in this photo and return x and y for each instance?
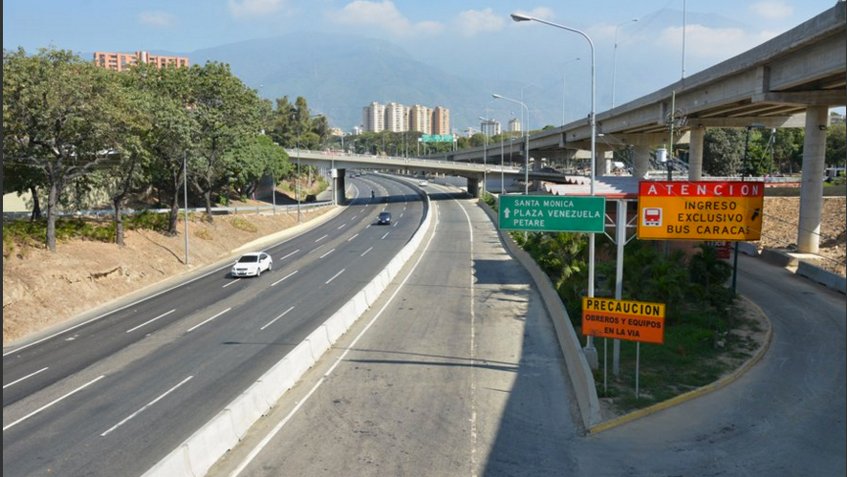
(552, 213)
(437, 138)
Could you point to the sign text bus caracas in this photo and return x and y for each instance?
(623, 319)
(700, 210)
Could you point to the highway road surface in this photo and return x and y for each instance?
(112, 397)
(457, 373)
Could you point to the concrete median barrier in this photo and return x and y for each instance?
(195, 456)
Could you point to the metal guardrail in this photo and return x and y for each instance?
(253, 209)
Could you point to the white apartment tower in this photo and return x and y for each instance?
(490, 127)
(396, 117)
(373, 117)
(515, 125)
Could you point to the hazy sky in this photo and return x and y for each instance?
(472, 38)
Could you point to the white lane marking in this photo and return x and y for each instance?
(340, 226)
(290, 254)
(267, 439)
(354, 217)
(25, 377)
(283, 278)
(366, 252)
(151, 321)
(368, 226)
(474, 431)
(351, 238)
(394, 224)
(335, 276)
(401, 215)
(54, 402)
(230, 283)
(145, 407)
(386, 235)
(324, 255)
(207, 320)
(278, 317)
(318, 240)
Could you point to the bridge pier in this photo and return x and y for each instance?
(339, 186)
(641, 159)
(473, 187)
(811, 185)
(695, 153)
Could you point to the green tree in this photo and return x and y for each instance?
(225, 112)
(836, 149)
(253, 158)
(723, 149)
(172, 130)
(58, 117)
(786, 145)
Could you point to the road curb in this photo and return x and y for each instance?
(695, 393)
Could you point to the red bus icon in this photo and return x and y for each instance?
(652, 217)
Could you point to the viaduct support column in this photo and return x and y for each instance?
(601, 164)
(811, 191)
(641, 159)
(473, 187)
(695, 153)
(339, 186)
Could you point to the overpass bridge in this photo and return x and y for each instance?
(789, 81)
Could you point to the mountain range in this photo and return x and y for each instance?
(340, 74)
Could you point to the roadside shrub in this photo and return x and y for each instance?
(147, 220)
(243, 224)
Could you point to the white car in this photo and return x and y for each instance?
(252, 264)
(423, 183)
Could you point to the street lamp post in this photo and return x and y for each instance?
(298, 184)
(502, 189)
(615, 56)
(590, 351)
(489, 123)
(526, 151)
(744, 171)
(185, 199)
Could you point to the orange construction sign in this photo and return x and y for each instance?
(700, 210)
(623, 319)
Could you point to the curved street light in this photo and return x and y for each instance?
(519, 17)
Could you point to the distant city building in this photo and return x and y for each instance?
(440, 120)
(358, 130)
(490, 127)
(336, 132)
(122, 61)
(515, 125)
(420, 119)
(396, 117)
(373, 117)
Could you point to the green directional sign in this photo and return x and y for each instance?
(436, 138)
(552, 213)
